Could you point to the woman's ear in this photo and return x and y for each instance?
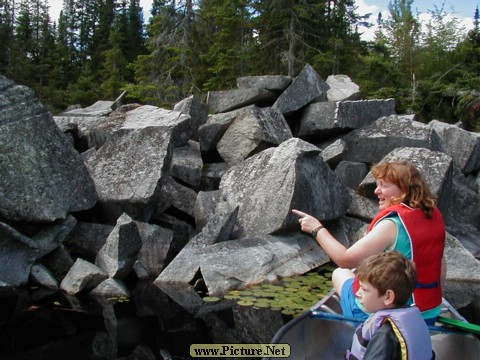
(389, 298)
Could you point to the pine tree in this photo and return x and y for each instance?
(226, 56)
(6, 36)
(115, 64)
(135, 35)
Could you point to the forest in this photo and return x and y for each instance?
(100, 48)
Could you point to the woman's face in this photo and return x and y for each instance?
(385, 191)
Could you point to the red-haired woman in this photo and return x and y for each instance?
(409, 222)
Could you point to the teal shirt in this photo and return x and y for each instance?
(402, 242)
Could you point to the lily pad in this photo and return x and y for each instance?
(211, 298)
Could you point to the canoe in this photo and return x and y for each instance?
(322, 332)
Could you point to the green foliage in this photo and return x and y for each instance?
(100, 48)
(468, 109)
(84, 91)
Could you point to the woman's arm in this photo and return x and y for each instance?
(381, 237)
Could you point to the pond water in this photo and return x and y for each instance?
(41, 324)
(56, 326)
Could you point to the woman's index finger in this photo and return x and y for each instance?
(298, 212)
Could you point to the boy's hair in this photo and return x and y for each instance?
(389, 271)
(408, 179)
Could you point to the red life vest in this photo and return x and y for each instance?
(427, 240)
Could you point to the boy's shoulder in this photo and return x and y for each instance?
(384, 344)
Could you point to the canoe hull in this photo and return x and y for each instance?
(311, 337)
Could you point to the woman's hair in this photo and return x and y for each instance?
(403, 174)
(389, 271)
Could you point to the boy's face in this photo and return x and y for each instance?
(369, 298)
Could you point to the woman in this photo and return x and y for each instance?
(409, 222)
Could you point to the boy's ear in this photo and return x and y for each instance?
(389, 298)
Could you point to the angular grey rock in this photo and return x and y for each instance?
(43, 276)
(187, 163)
(307, 87)
(362, 207)
(52, 235)
(127, 170)
(182, 268)
(351, 173)
(86, 239)
(92, 126)
(463, 274)
(120, 251)
(269, 185)
(228, 100)
(177, 278)
(206, 207)
(59, 261)
(212, 131)
(80, 127)
(333, 153)
(179, 126)
(477, 183)
(327, 118)
(468, 236)
(111, 288)
(196, 109)
(342, 88)
(93, 134)
(252, 131)
(225, 265)
(240, 263)
(371, 143)
(352, 229)
(156, 242)
(434, 166)
(463, 146)
(99, 108)
(463, 206)
(175, 195)
(463, 216)
(212, 174)
(82, 276)
(18, 253)
(42, 177)
(267, 82)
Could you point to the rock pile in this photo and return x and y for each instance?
(200, 197)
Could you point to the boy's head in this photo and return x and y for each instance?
(387, 280)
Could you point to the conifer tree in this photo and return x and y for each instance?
(6, 36)
(113, 69)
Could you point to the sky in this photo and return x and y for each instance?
(463, 10)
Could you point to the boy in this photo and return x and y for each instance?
(392, 331)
